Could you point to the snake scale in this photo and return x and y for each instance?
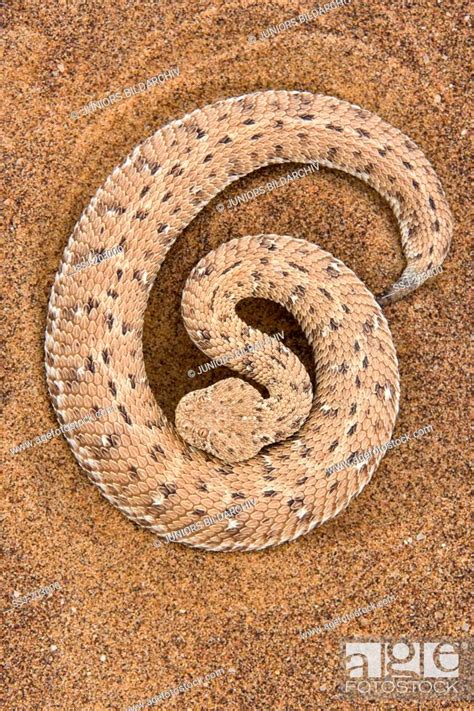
(231, 445)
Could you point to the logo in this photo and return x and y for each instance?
(402, 668)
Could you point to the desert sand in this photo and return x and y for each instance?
(122, 620)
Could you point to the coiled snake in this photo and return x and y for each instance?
(233, 446)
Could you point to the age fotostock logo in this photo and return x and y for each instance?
(404, 668)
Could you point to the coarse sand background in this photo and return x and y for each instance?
(131, 620)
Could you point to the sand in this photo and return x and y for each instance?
(124, 620)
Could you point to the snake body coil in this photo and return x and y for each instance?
(282, 453)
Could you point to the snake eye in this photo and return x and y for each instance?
(203, 433)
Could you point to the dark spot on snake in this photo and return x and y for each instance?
(333, 446)
(112, 388)
(133, 382)
(302, 481)
(112, 293)
(432, 203)
(232, 266)
(225, 139)
(410, 145)
(357, 154)
(90, 364)
(368, 168)
(176, 171)
(256, 136)
(352, 430)
(295, 504)
(333, 487)
(119, 274)
(298, 266)
(429, 266)
(122, 242)
(392, 179)
(154, 167)
(140, 215)
(382, 152)
(345, 308)
(279, 123)
(363, 133)
(91, 305)
(106, 356)
(365, 362)
(144, 191)
(332, 272)
(238, 495)
(352, 457)
(431, 249)
(357, 381)
(155, 450)
(200, 133)
(343, 368)
(415, 184)
(325, 293)
(133, 471)
(125, 414)
(168, 488)
(436, 226)
(331, 152)
(249, 122)
(353, 409)
(331, 127)
(407, 165)
(334, 326)
(207, 158)
(307, 117)
(110, 321)
(166, 196)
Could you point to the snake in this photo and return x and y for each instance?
(241, 468)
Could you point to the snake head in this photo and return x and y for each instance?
(221, 420)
